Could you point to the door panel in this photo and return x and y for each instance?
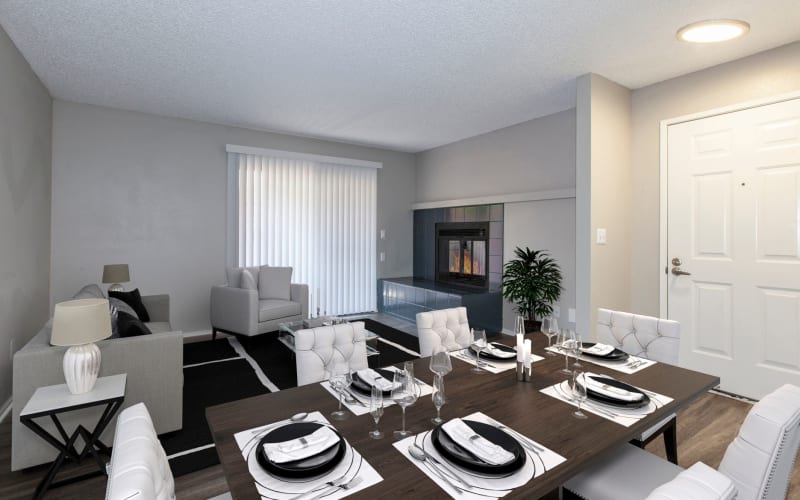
(734, 222)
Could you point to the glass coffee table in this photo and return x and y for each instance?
(287, 330)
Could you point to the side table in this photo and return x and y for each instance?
(53, 400)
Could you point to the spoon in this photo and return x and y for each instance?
(297, 417)
(419, 454)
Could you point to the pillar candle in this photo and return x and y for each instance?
(520, 348)
(528, 358)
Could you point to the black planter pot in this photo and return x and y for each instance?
(532, 326)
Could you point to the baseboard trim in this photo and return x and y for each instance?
(6, 410)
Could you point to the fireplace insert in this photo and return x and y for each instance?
(462, 253)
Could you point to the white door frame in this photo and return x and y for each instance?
(663, 258)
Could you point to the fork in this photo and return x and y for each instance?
(342, 486)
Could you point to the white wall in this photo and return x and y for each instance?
(546, 224)
(759, 76)
(150, 191)
(25, 121)
(536, 155)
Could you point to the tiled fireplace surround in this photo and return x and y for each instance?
(404, 297)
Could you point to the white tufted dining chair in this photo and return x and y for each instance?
(318, 349)
(651, 338)
(757, 464)
(139, 466)
(445, 327)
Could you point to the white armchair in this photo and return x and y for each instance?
(758, 463)
(256, 300)
(318, 349)
(651, 338)
(448, 328)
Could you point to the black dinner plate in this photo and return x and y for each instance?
(499, 346)
(364, 387)
(602, 398)
(459, 456)
(615, 355)
(307, 467)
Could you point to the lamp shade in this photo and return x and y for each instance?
(82, 321)
(116, 273)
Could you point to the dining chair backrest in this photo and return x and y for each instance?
(761, 458)
(448, 328)
(318, 350)
(643, 336)
(139, 466)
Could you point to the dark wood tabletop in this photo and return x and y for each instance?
(519, 405)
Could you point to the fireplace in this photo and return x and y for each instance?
(462, 253)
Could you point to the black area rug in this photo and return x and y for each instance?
(214, 373)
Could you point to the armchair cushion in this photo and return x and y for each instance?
(274, 308)
(273, 282)
(248, 280)
(234, 275)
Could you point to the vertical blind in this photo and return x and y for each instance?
(318, 218)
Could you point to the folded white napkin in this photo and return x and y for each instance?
(481, 447)
(302, 447)
(500, 353)
(599, 349)
(600, 387)
(375, 379)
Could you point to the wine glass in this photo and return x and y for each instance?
(566, 338)
(438, 398)
(340, 379)
(546, 328)
(440, 363)
(478, 345)
(519, 325)
(579, 392)
(404, 394)
(376, 410)
(577, 349)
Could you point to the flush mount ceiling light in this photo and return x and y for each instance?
(717, 30)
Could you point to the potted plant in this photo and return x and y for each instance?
(532, 282)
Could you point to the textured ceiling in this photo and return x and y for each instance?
(406, 75)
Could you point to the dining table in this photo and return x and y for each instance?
(519, 405)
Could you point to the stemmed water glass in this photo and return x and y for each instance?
(577, 350)
(376, 410)
(440, 363)
(478, 345)
(404, 394)
(579, 392)
(566, 340)
(550, 329)
(340, 380)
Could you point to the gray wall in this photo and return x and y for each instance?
(25, 122)
(532, 156)
(150, 191)
(759, 76)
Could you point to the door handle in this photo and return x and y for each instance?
(678, 272)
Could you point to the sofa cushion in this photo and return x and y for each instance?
(122, 306)
(130, 326)
(133, 299)
(234, 275)
(248, 281)
(274, 282)
(270, 309)
(89, 292)
(159, 326)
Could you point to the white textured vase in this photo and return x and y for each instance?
(81, 366)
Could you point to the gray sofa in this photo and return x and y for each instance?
(258, 304)
(154, 364)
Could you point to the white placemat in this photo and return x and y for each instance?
(631, 365)
(360, 406)
(538, 461)
(351, 467)
(490, 365)
(622, 416)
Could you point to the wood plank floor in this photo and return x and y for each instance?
(704, 431)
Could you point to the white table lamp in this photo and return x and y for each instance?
(78, 324)
(116, 274)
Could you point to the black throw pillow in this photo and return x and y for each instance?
(129, 326)
(134, 300)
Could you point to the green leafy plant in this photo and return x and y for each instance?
(532, 282)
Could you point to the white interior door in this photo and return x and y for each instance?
(734, 224)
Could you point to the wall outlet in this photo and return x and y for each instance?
(571, 314)
(382, 256)
(556, 311)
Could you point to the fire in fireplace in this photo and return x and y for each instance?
(462, 253)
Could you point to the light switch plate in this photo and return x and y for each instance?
(601, 236)
(383, 234)
(556, 311)
(382, 256)
(571, 314)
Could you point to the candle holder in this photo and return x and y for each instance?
(528, 372)
(520, 371)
